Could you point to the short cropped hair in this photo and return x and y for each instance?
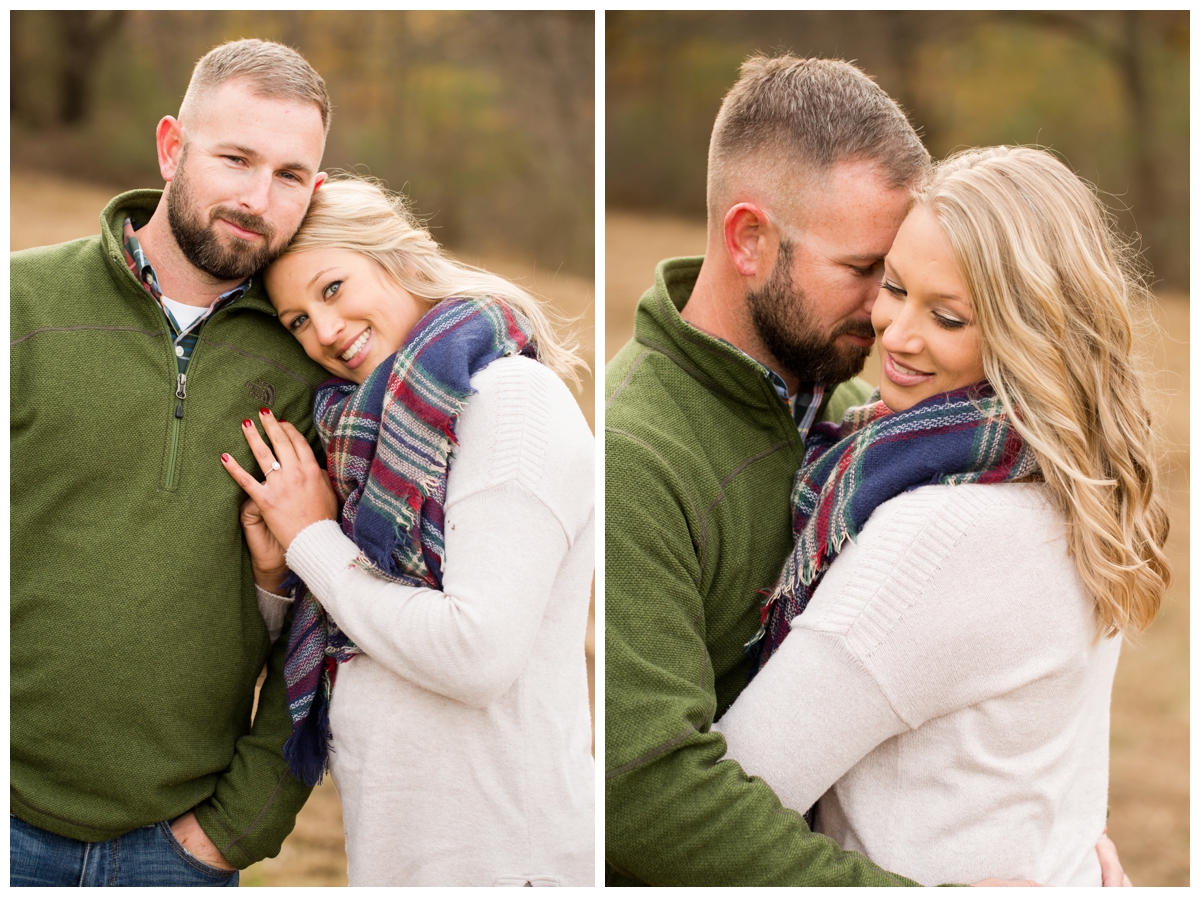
(272, 70)
(790, 120)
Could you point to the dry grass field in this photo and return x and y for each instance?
(47, 210)
(1148, 788)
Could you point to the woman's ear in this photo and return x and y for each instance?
(746, 236)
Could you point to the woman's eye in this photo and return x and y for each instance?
(331, 289)
(892, 288)
(297, 322)
(949, 323)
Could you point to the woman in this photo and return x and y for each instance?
(443, 621)
(944, 689)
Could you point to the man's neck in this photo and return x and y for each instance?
(718, 307)
(177, 277)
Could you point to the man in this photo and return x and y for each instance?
(136, 639)
(734, 356)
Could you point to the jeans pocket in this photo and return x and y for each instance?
(193, 861)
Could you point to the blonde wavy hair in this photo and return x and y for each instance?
(1051, 287)
(360, 215)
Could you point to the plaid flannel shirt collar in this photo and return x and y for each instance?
(139, 265)
(803, 404)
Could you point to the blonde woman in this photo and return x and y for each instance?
(435, 660)
(939, 653)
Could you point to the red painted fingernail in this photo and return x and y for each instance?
(224, 457)
(264, 410)
(246, 423)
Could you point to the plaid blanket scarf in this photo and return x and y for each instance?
(874, 455)
(388, 444)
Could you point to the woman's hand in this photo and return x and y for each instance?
(266, 554)
(296, 490)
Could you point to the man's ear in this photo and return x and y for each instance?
(319, 180)
(170, 140)
(746, 236)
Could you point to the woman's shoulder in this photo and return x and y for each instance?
(948, 551)
(974, 503)
(522, 426)
(517, 394)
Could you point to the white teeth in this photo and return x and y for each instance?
(358, 344)
(902, 369)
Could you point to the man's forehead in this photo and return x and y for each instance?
(242, 94)
(855, 207)
(243, 122)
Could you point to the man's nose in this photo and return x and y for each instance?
(256, 197)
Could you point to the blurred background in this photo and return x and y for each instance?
(1108, 92)
(485, 119)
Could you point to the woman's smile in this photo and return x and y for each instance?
(355, 354)
(928, 339)
(344, 308)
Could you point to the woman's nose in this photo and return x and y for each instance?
(329, 328)
(900, 334)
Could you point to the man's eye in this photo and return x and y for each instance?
(297, 322)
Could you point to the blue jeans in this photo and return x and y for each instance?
(147, 856)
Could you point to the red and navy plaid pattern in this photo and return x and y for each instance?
(388, 442)
(872, 456)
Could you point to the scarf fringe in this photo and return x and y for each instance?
(308, 747)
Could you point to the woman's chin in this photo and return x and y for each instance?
(893, 399)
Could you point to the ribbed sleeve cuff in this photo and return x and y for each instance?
(318, 555)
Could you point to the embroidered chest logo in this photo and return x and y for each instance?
(261, 391)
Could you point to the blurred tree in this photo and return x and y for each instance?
(84, 35)
(65, 48)
(1130, 40)
(485, 118)
(1107, 91)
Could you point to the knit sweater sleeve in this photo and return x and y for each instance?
(518, 495)
(674, 814)
(926, 615)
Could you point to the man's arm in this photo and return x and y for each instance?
(673, 814)
(255, 803)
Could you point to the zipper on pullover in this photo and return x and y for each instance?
(176, 427)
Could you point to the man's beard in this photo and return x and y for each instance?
(782, 317)
(204, 248)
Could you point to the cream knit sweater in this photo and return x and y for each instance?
(462, 736)
(944, 693)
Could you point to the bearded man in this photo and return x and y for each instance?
(733, 358)
(136, 756)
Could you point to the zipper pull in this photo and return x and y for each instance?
(181, 394)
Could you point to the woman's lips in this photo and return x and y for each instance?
(902, 376)
(361, 344)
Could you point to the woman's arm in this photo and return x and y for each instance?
(809, 716)
(519, 496)
(471, 640)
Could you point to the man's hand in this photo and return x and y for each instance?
(1000, 883)
(266, 554)
(1111, 873)
(188, 833)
